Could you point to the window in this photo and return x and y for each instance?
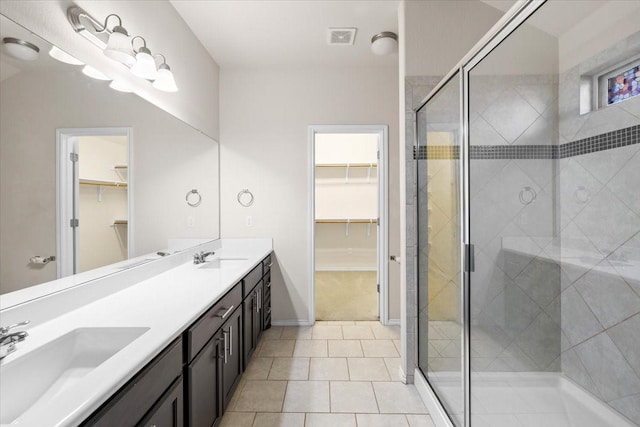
(623, 85)
(619, 83)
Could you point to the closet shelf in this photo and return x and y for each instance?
(347, 165)
(86, 181)
(348, 221)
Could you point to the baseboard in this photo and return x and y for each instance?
(393, 322)
(438, 415)
(300, 322)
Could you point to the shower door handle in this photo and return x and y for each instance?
(469, 258)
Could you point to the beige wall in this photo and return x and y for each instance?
(342, 193)
(265, 114)
(195, 71)
(169, 159)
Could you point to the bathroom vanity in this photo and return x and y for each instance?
(166, 350)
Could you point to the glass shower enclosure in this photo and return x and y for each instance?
(528, 207)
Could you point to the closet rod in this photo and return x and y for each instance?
(350, 165)
(347, 221)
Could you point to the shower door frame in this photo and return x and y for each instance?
(512, 19)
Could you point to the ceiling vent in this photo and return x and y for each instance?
(341, 36)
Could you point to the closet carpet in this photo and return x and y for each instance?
(346, 295)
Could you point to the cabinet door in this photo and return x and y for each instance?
(203, 377)
(258, 312)
(231, 356)
(169, 411)
(248, 320)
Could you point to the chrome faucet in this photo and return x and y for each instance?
(202, 257)
(8, 340)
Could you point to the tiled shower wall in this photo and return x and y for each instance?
(557, 282)
(599, 195)
(513, 129)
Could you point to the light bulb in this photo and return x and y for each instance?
(89, 71)
(165, 81)
(119, 47)
(145, 65)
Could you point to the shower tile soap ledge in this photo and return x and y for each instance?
(161, 306)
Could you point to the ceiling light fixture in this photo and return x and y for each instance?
(20, 49)
(117, 45)
(384, 43)
(63, 56)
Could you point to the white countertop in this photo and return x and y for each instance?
(166, 303)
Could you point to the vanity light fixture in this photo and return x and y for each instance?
(120, 87)
(165, 80)
(120, 47)
(94, 73)
(145, 65)
(20, 49)
(63, 56)
(384, 43)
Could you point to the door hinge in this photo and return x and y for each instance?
(73, 223)
(378, 287)
(469, 258)
(73, 157)
(378, 154)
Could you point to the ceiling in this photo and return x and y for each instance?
(558, 16)
(272, 32)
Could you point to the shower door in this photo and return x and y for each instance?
(440, 303)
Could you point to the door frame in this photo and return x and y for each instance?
(383, 211)
(67, 207)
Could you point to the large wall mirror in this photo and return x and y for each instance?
(126, 195)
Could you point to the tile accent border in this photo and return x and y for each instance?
(606, 141)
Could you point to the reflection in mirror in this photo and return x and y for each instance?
(152, 159)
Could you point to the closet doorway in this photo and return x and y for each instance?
(349, 211)
(94, 198)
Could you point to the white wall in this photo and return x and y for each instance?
(195, 71)
(265, 114)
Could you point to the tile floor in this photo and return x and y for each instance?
(334, 374)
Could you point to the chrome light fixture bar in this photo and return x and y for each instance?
(117, 45)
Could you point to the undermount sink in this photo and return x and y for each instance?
(219, 263)
(34, 379)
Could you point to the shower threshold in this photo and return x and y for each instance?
(521, 399)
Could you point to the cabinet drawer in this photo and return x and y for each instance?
(210, 322)
(135, 399)
(266, 264)
(251, 280)
(169, 411)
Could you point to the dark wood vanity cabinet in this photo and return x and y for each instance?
(231, 359)
(203, 385)
(144, 397)
(252, 314)
(266, 293)
(169, 410)
(214, 368)
(192, 381)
